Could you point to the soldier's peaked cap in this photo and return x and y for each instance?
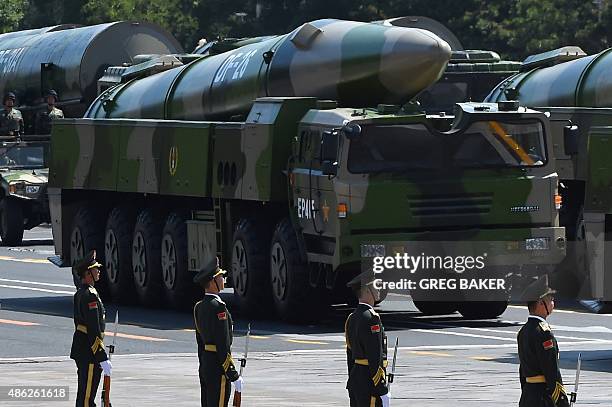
(362, 280)
(86, 263)
(537, 290)
(52, 92)
(9, 95)
(208, 272)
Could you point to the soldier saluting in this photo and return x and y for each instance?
(44, 118)
(89, 321)
(214, 336)
(11, 121)
(541, 382)
(366, 347)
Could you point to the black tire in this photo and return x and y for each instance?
(249, 270)
(11, 222)
(146, 259)
(118, 254)
(436, 307)
(179, 288)
(87, 234)
(482, 309)
(294, 298)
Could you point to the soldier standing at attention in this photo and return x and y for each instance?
(214, 336)
(89, 320)
(11, 121)
(44, 118)
(541, 382)
(366, 347)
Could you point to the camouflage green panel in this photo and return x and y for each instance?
(598, 194)
(264, 145)
(581, 82)
(169, 158)
(38, 176)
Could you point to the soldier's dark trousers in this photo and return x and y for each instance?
(360, 388)
(89, 378)
(534, 395)
(215, 389)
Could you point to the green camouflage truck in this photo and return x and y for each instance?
(69, 59)
(573, 89)
(243, 155)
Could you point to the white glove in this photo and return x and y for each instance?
(238, 384)
(107, 367)
(386, 399)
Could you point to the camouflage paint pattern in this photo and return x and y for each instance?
(357, 64)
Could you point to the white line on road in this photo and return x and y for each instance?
(431, 331)
(44, 290)
(6, 280)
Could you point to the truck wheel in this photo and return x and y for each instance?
(87, 234)
(249, 273)
(11, 222)
(482, 309)
(292, 292)
(118, 254)
(146, 259)
(436, 307)
(178, 281)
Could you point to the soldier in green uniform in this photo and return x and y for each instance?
(541, 382)
(214, 336)
(11, 121)
(44, 118)
(366, 347)
(89, 320)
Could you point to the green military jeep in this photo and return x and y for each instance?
(23, 188)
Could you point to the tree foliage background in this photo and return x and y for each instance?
(514, 28)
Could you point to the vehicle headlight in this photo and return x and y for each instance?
(373, 250)
(16, 187)
(32, 189)
(537, 243)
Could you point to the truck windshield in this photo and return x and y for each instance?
(484, 144)
(22, 157)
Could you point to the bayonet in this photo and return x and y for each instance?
(574, 394)
(237, 395)
(107, 379)
(391, 376)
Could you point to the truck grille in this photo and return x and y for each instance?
(450, 204)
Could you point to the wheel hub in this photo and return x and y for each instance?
(77, 251)
(239, 268)
(139, 261)
(278, 268)
(111, 256)
(168, 261)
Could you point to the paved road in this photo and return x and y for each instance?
(443, 361)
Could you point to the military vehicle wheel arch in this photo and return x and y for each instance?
(86, 234)
(178, 285)
(11, 222)
(249, 265)
(482, 309)
(436, 307)
(118, 253)
(146, 256)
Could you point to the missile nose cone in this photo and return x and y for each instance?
(412, 60)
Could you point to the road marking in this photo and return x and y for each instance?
(483, 358)
(141, 338)
(425, 353)
(20, 323)
(430, 331)
(34, 261)
(44, 290)
(259, 337)
(37, 283)
(567, 311)
(307, 342)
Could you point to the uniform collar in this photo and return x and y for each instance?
(366, 305)
(537, 317)
(215, 296)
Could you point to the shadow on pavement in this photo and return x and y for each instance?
(592, 360)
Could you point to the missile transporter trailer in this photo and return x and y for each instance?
(289, 196)
(573, 89)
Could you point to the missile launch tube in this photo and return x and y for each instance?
(583, 82)
(74, 58)
(357, 64)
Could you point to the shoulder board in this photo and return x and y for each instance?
(544, 326)
(92, 290)
(374, 313)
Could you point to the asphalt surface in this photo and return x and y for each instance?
(442, 361)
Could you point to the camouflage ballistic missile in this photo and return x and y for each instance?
(356, 64)
(71, 60)
(563, 77)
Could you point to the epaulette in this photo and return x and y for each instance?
(92, 290)
(374, 313)
(544, 325)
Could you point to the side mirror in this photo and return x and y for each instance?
(351, 131)
(329, 152)
(571, 135)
